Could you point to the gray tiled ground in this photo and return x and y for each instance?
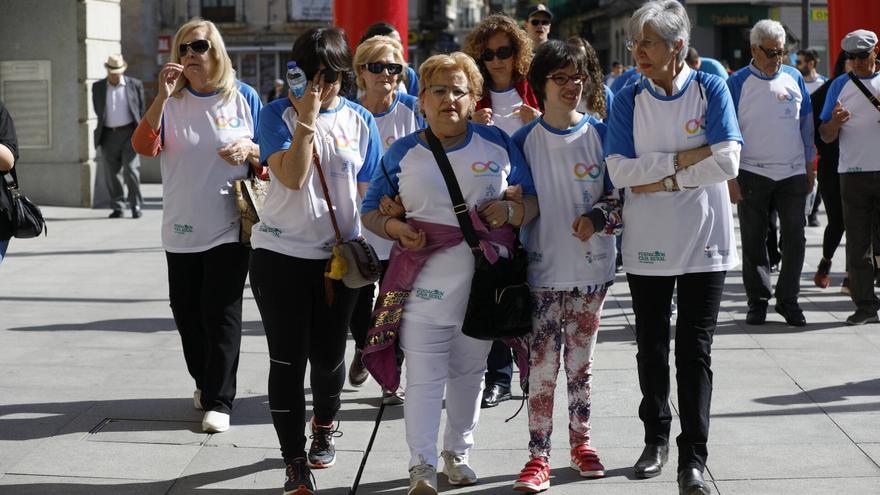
(95, 399)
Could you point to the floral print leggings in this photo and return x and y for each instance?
(572, 315)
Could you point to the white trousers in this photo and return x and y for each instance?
(439, 357)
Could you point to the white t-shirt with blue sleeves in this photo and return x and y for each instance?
(568, 168)
(297, 223)
(199, 210)
(678, 232)
(860, 135)
(484, 165)
(776, 120)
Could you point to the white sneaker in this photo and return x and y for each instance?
(197, 400)
(422, 480)
(215, 422)
(456, 468)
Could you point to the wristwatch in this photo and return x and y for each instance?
(669, 183)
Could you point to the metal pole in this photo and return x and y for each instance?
(805, 25)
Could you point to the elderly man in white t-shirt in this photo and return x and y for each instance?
(776, 119)
(849, 115)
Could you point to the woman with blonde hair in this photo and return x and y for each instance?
(203, 125)
(425, 291)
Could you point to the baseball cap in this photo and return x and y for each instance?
(540, 9)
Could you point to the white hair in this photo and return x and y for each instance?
(668, 18)
(766, 29)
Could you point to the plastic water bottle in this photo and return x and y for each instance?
(296, 79)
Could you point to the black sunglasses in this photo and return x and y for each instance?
(773, 53)
(503, 53)
(379, 67)
(858, 55)
(540, 22)
(197, 46)
(330, 75)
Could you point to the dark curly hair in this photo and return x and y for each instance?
(594, 90)
(477, 40)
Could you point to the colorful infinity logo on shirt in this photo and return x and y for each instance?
(344, 143)
(582, 170)
(222, 122)
(389, 140)
(694, 126)
(784, 96)
(482, 168)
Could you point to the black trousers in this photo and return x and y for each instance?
(860, 193)
(829, 187)
(699, 297)
(205, 290)
(301, 328)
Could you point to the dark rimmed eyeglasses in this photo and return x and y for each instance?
(774, 53)
(379, 67)
(197, 46)
(858, 55)
(540, 22)
(562, 79)
(503, 53)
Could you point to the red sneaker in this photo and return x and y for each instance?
(534, 477)
(585, 461)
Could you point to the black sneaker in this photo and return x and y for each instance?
(322, 453)
(299, 478)
(861, 317)
(757, 313)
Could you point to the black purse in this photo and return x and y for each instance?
(18, 216)
(500, 303)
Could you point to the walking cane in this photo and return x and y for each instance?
(357, 478)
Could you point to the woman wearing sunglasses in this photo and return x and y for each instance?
(379, 66)
(571, 251)
(425, 291)
(673, 143)
(203, 123)
(503, 53)
(304, 313)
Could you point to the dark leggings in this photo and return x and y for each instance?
(829, 187)
(291, 297)
(205, 289)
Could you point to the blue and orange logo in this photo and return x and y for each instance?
(221, 122)
(587, 172)
(485, 167)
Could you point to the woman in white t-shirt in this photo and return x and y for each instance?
(571, 255)
(379, 65)
(305, 314)
(203, 123)
(673, 142)
(425, 291)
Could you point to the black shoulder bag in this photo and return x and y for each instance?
(859, 84)
(500, 305)
(18, 216)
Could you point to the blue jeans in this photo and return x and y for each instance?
(3, 246)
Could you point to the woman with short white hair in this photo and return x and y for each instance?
(673, 143)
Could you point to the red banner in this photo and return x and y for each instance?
(356, 16)
(845, 16)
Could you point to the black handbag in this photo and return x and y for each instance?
(500, 303)
(18, 216)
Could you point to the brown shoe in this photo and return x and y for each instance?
(822, 278)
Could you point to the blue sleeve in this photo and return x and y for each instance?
(519, 137)
(273, 132)
(721, 123)
(735, 84)
(255, 104)
(832, 97)
(412, 83)
(619, 136)
(714, 67)
(621, 81)
(806, 116)
(609, 101)
(374, 149)
(384, 181)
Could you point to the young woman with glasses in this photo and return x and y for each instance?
(203, 124)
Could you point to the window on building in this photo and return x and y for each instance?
(219, 10)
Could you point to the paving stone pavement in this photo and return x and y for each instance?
(95, 397)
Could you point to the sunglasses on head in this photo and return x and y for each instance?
(503, 53)
(540, 22)
(858, 55)
(379, 67)
(197, 46)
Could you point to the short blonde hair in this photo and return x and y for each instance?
(223, 77)
(452, 62)
(372, 49)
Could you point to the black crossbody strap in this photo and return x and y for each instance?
(459, 206)
(859, 84)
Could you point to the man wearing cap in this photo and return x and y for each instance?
(118, 101)
(849, 115)
(538, 25)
